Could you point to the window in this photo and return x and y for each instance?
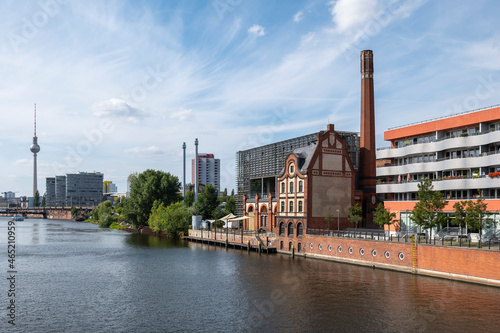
(301, 186)
(299, 208)
(283, 187)
(300, 230)
(292, 169)
(282, 206)
(291, 187)
(290, 229)
(291, 207)
(282, 229)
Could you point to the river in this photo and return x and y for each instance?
(77, 277)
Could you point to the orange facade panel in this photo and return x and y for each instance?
(458, 121)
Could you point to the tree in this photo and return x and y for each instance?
(207, 201)
(74, 211)
(103, 214)
(189, 198)
(232, 193)
(173, 220)
(329, 218)
(382, 216)
(477, 216)
(428, 211)
(459, 216)
(355, 214)
(230, 205)
(44, 200)
(147, 187)
(37, 199)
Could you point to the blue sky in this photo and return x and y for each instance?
(120, 85)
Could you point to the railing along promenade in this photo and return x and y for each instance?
(421, 238)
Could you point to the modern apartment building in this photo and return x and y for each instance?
(79, 189)
(459, 153)
(208, 170)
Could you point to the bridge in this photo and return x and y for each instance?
(52, 213)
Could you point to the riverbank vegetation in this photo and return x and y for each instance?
(155, 201)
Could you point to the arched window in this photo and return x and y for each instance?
(282, 187)
(282, 206)
(290, 190)
(291, 206)
(281, 245)
(300, 230)
(301, 186)
(289, 246)
(299, 247)
(292, 169)
(299, 208)
(290, 229)
(250, 209)
(282, 229)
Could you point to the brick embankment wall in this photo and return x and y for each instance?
(465, 264)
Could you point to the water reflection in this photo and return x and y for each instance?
(82, 278)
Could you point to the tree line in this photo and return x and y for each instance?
(156, 202)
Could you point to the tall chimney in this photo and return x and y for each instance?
(367, 165)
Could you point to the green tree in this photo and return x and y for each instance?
(207, 201)
(173, 220)
(232, 193)
(477, 216)
(459, 215)
(329, 218)
(103, 214)
(74, 211)
(230, 205)
(44, 200)
(383, 217)
(37, 199)
(189, 198)
(145, 189)
(428, 211)
(355, 214)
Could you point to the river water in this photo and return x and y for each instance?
(77, 277)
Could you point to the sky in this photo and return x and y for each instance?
(120, 85)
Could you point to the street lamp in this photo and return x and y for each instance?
(338, 220)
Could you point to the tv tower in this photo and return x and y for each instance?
(35, 148)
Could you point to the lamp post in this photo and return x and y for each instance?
(338, 220)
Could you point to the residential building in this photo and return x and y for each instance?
(208, 170)
(459, 153)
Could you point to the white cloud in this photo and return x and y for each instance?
(152, 150)
(22, 162)
(117, 108)
(298, 16)
(350, 15)
(182, 114)
(257, 30)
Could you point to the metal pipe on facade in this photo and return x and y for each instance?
(183, 169)
(196, 171)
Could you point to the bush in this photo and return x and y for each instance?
(107, 220)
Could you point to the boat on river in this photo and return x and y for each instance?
(17, 218)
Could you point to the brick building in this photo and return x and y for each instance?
(321, 178)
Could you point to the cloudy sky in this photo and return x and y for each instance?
(120, 85)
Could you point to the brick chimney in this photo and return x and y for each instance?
(367, 165)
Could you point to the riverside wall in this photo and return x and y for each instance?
(464, 264)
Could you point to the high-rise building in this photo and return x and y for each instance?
(109, 187)
(208, 170)
(50, 191)
(79, 189)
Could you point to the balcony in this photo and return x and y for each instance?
(441, 164)
(441, 185)
(439, 145)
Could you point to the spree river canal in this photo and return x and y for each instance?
(77, 277)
